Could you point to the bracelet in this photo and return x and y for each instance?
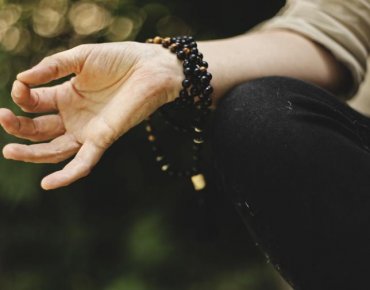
(194, 99)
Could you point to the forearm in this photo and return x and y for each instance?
(276, 52)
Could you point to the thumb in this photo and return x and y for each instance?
(56, 66)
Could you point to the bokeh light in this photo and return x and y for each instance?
(88, 18)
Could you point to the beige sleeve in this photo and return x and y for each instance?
(342, 26)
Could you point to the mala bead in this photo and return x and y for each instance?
(196, 95)
(157, 40)
(186, 83)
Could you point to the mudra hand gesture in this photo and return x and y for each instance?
(115, 86)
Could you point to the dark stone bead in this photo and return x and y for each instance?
(183, 41)
(155, 148)
(199, 61)
(208, 90)
(196, 71)
(204, 80)
(166, 44)
(186, 83)
(200, 55)
(205, 64)
(193, 44)
(190, 38)
(194, 50)
(181, 55)
(195, 169)
(173, 39)
(207, 102)
(189, 101)
(188, 71)
(185, 63)
(196, 147)
(208, 75)
(193, 57)
(194, 91)
(183, 94)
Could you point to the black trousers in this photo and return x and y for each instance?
(295, 161)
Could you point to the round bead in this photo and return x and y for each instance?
(194, 50)
(165, 167)
(193, 44)
(186, 63)
(205, 64)
(173, 47)
(159, 158)
(157, 40)
(183, 94)
(204, 80)
(188, 71)
(193, 57)
(149, 40)
(194, 91)
(186, 83)
(208, 102)
(200, 55)
(186, 50)
(197, 71)
(198, 140)
(208, 90)
(181, 55)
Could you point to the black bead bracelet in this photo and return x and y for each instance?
(195, 96)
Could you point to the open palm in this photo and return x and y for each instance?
(115, 86)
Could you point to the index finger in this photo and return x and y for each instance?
(56, 66)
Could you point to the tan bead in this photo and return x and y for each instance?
(158, 158)
(167, 39)
(203, 69)
(149, 40)
(151, 138)
(186, 50)
(165, 167)
(157, 40)
(198, 141)
(198, 181)
(173, 46)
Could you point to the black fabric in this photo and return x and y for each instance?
(295, 161)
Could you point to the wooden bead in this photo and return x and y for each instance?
(157, 40)
(186, 50)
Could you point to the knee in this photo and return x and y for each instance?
(254, 115)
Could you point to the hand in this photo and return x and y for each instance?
(115, 87)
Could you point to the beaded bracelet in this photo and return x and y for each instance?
(195, 96)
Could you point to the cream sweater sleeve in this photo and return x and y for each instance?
(342, 26)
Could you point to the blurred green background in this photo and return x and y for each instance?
(126, 226)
